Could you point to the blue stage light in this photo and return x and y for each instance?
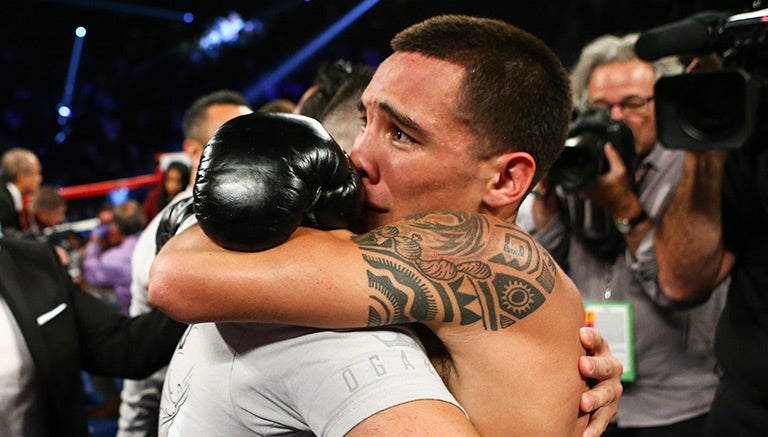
(80, 31)
(60, 137)
(228, 30)
(118, 196)
(189, 17)
(64, 111)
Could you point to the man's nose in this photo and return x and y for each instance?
(616, 112)
(360, 155)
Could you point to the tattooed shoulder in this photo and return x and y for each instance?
(454, 267)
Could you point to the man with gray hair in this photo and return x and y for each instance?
(671, 378)
(20, 177)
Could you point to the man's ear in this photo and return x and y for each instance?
(514, 174)
(192, 147)
(189, 145)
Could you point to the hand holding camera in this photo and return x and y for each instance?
(583, 158)
(594, 182)
(611, 190)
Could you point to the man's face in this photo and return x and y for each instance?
(414, 152)
(29, 181)
(630, 82)
(218, 114)
(53, 217)
(114, 237)
(215, 116)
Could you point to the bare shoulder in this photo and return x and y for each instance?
(457, 268)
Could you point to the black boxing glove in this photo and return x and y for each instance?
(263, 174)
(171, 219)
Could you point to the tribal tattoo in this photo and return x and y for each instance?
(456, 264)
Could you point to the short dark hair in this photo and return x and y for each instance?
(195, 114)
(351, 89)
(277, 105)
(341, 116)
(516, 92)
(330, 76)
(47, 198)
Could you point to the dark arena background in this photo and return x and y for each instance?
(97, 88)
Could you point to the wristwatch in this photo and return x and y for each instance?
(625, 224)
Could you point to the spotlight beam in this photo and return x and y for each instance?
(64, 108)
(258, 89)
(74, 63)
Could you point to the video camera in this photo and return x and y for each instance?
(582, 159)
(713, 110)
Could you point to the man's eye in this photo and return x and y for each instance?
(399, 135)
(632, 103)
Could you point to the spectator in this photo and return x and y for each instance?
(112, 266)
(20, 177)
(175, 179)
(674, 363)
(51, 331)
(715, 228)
(47, 208)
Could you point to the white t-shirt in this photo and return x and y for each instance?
(230, 379)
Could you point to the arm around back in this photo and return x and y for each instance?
(110, 344)
(194, 280)
(113, 345)
(399, 273)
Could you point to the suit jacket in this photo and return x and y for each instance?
(9, 217)
(67, 330)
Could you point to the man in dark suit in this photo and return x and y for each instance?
(20, 176)
(50, 330)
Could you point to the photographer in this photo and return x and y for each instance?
(603, 232)
(716, 226)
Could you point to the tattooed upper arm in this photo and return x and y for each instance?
(454, 267)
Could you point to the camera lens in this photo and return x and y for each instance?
(580, 162)
(715, 110)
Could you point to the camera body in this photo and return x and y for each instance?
(581, 162)
(583, 159)
(714, 110)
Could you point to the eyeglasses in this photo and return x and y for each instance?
(632, 105)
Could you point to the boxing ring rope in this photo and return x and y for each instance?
(95, 189)
(105, 187)
(98, 189)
